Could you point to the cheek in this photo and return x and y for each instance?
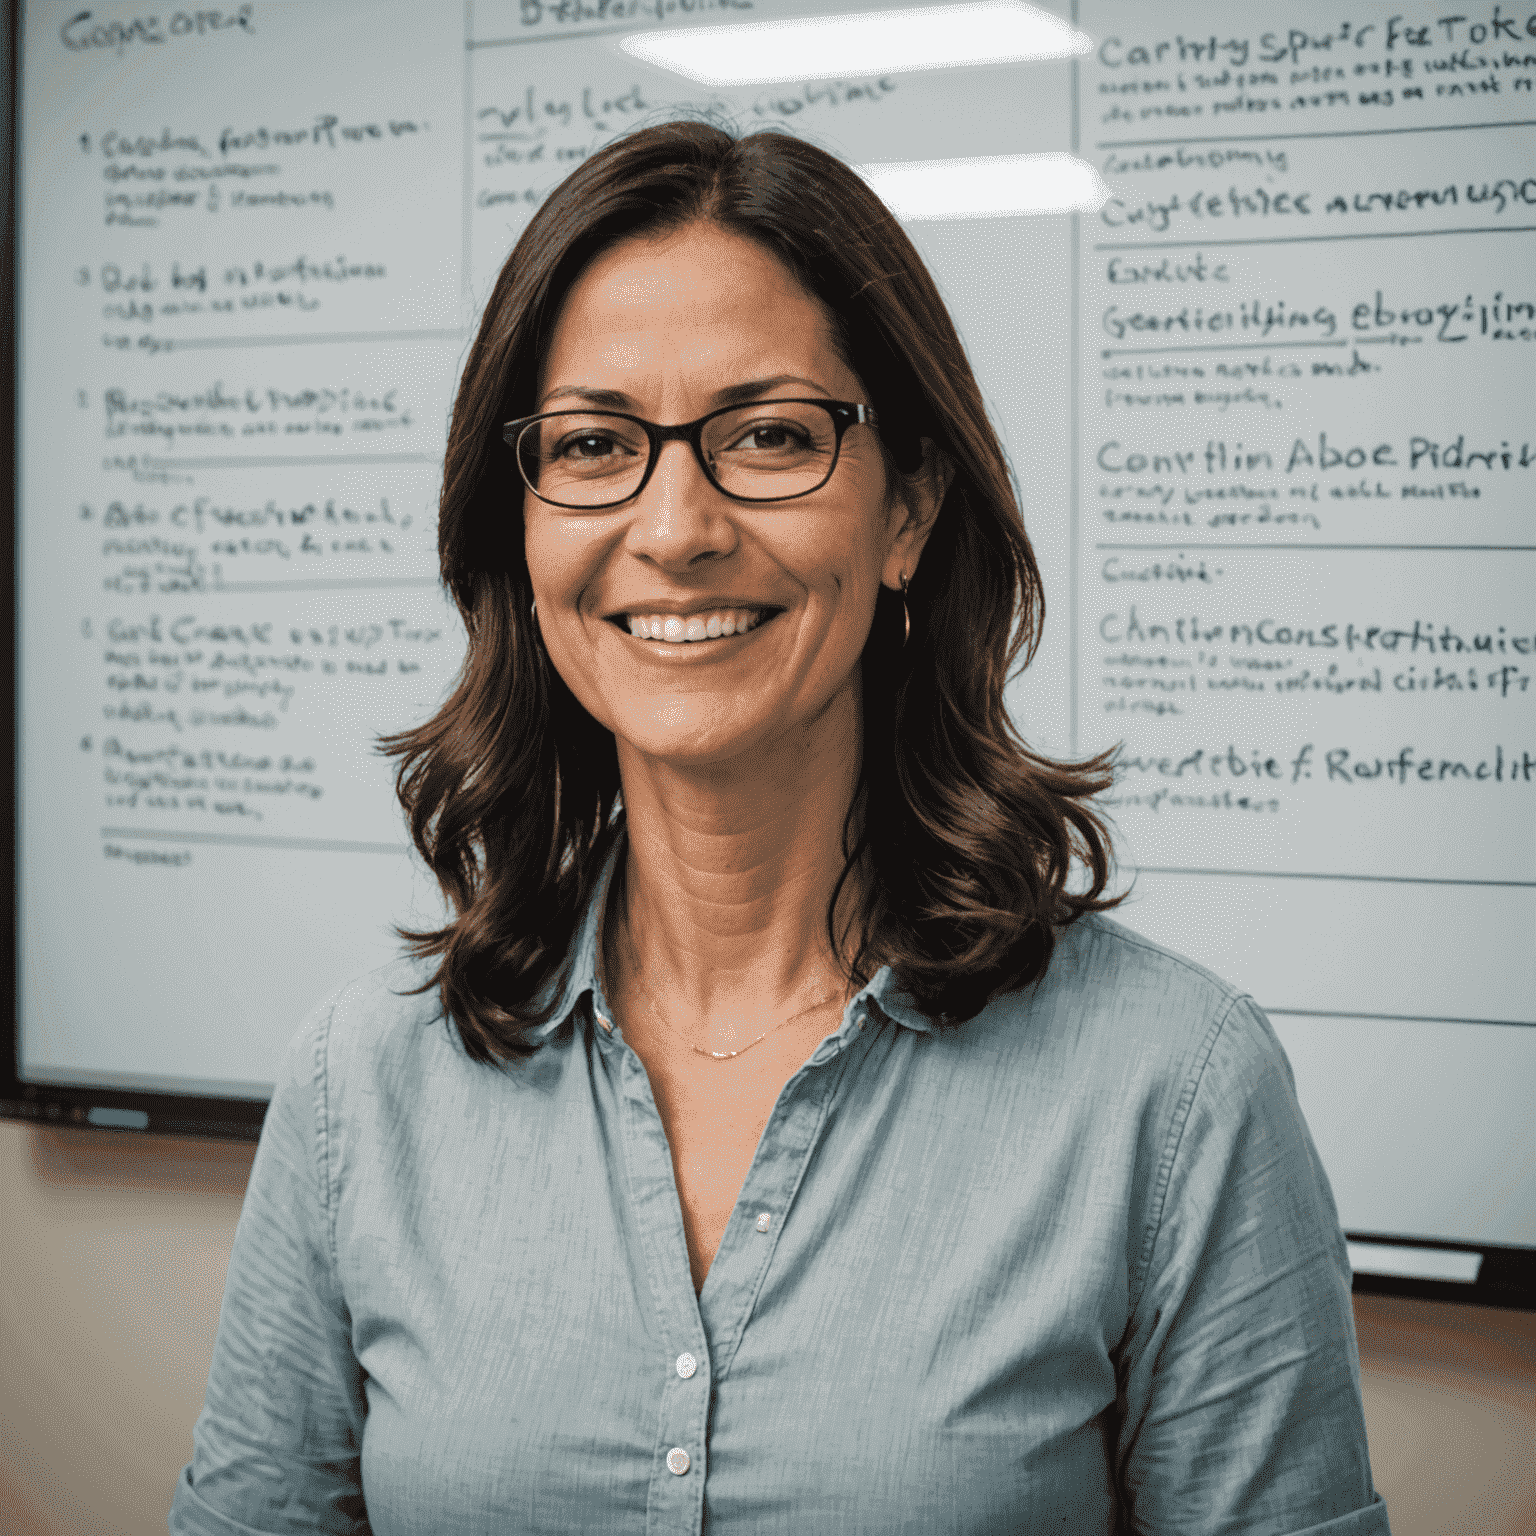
(560, 570)
(562, 560)
(848, 572)
(846, 594)
(575, 660)
(839, 549)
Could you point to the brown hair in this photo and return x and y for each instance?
(965, 838)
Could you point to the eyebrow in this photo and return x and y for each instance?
(732, 394)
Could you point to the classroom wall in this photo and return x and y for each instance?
(113, 1250)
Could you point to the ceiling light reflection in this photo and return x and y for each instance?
(988, 186)
(867, 43)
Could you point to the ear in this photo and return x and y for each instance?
(913, 512)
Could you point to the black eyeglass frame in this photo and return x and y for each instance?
(844, 414)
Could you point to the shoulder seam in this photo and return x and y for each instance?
(1128, 936)
(1175, 1139)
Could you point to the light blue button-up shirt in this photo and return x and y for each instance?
(1073, 1267)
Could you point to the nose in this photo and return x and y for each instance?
(680, 518)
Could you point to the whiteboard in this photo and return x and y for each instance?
(1304, 555)
(1276, 458)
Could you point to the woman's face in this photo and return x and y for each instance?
(661, 328)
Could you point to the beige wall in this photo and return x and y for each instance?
(113, 1249)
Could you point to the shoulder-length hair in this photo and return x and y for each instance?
(964, 838)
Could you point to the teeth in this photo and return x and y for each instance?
(699, 626)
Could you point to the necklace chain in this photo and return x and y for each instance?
(656, 1013)
(727, 1055)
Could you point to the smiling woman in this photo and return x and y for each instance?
(777, 1137)
(677, 273)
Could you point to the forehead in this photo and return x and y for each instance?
(700, 299)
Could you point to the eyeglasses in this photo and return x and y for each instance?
(772, 450)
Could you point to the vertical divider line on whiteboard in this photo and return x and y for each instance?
(1073, 434)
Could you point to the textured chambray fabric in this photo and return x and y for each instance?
(1073, 1267)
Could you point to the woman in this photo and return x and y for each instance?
(772, 1140)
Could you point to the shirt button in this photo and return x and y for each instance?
(686, 1365)
(677, 1460)
(764, 1222)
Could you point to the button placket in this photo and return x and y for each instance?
(783, 1155)
(676, 1497)
(708, 1326)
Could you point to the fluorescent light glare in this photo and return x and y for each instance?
(868, 43)
(1414, 1263)
(988, 187)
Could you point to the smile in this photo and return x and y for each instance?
(673, 629)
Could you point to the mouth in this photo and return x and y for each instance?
(714, 627)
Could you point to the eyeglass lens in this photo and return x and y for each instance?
(773, 449)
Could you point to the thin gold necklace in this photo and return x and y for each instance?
(650, 997)
(831, 997)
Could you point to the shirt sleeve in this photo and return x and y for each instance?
(1239, 1380)
(277, 1447)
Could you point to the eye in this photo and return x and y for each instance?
(589, 445)
(771, 436)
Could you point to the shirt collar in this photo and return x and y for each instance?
(582, 979)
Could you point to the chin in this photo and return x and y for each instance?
(693, 733)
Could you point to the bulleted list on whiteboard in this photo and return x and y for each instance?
(242, 312)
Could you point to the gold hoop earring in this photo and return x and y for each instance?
(906, 617)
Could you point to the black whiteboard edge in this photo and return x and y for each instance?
(1517, 1298)
(1505, 1278)
(54, 1106)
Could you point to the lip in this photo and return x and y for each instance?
(691, 610)
(674, 650)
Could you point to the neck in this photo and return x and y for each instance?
(728, 874)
